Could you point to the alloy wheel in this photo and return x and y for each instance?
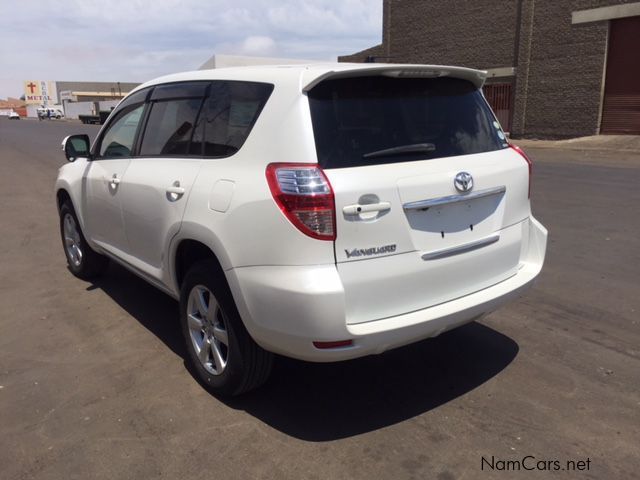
(207, 329)
(72, 240)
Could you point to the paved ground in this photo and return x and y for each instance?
(93, 383)
(601, 143)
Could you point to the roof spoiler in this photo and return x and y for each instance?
(477, 77)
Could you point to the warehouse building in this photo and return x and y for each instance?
(74, 98)
(226, 61)
(87, 98)
(556, 68)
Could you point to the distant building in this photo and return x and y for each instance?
(12, 105)
(223, 61)
(76, 98)
(557, 68)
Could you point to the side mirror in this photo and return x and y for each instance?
(76, 146)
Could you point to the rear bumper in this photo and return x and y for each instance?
(287, 308)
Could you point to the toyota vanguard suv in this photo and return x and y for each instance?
(321, 212)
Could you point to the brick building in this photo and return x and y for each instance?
(556, 68)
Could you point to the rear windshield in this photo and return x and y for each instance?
(372, 120)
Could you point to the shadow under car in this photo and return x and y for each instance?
(328, 401)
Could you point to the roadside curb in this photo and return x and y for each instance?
(546, 146)
(595, 143)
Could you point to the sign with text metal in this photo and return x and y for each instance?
(40, 92)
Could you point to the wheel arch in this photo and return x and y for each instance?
(61, 196)
(69, 191)
(254, 362)
(189, 251)
(194, 242)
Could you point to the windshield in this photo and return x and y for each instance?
(372, 120)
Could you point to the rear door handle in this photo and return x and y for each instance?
(176, 190)
(357, 209)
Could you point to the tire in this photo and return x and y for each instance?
(82, 260)
(209, 318)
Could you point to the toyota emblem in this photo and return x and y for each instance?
(463, 182)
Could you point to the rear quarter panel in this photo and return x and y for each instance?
(253, 231)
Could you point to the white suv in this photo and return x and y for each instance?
(318, 212)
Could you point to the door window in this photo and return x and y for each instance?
(170, 126)
(118, 140)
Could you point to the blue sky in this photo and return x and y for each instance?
(136, 40)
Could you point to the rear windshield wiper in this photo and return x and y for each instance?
(402, 150)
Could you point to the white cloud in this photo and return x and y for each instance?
(135, 40)
(254, 46)
(258, 46)
(320, 18)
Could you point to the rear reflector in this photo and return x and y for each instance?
(338, 344)
(304, 194)
(527, 159)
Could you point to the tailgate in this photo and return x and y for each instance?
(428, 196)
(432, 244)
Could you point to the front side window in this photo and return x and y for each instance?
(118, 139)
(170, 126)
(228, 117)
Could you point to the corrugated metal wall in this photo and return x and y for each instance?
(499, 97)
(621, 108)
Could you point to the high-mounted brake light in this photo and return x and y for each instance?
(304, 194)
(527, 159)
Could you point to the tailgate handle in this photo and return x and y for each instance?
(357, 209)
(449, 199)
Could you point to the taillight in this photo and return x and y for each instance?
(304, 194)
(527, 159)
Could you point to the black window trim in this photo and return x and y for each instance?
(159, 87)
(142, 126)
(145, 120)
(121, 109)
(195, 125)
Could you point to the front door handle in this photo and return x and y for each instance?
(115, 181)
(357, 209)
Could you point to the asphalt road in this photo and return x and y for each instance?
(93, 383)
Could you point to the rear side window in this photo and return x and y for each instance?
(228, 117)
(373, 120)
(170, 126)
